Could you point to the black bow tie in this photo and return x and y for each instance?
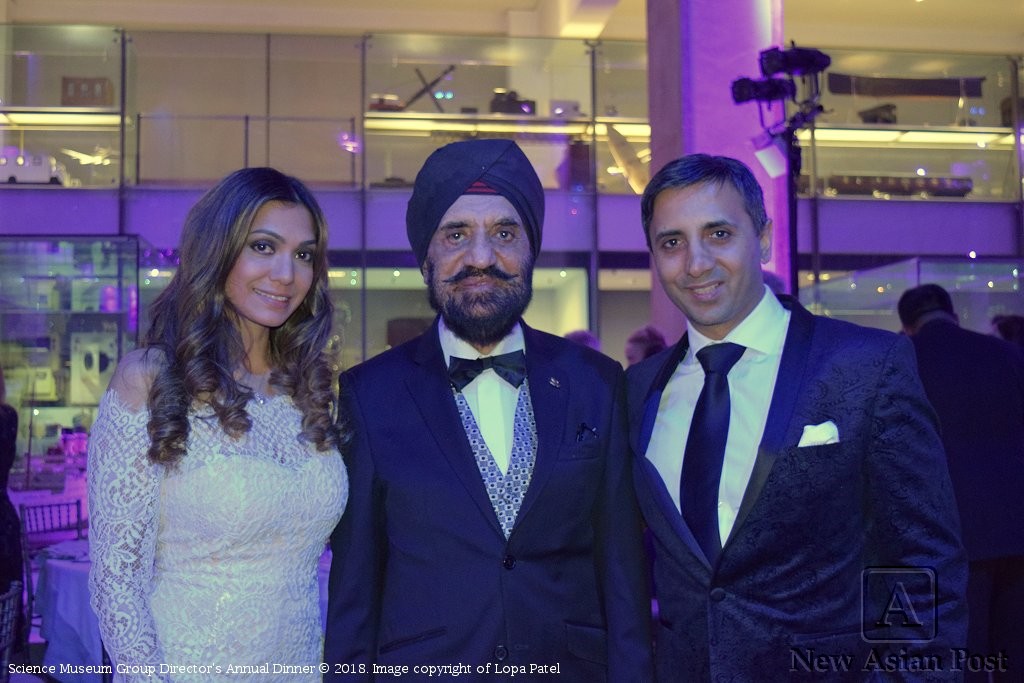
(511, 367)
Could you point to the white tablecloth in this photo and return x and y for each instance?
(69, 624)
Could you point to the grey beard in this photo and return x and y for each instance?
(502, 310)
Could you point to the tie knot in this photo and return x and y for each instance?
(511, 367)
(720, 357)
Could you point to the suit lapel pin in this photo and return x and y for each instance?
(555, 383)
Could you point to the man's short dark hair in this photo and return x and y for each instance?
(649, 338)
(694, 169)
(1009, 326)
(919, 301)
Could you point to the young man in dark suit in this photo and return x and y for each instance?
(976, 384)
(492, 523)
(788, 466)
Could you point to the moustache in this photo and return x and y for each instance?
(489, 271)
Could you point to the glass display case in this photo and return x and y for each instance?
(914, 125)
(620, 95)
(364, 111)
(68, 312)
(980, 289)
(60, 104)
(424, 91)
(208, 103)
(356, 115)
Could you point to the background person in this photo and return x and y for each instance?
(976, 384)
(11, 567)
(585, 337)
(1009, 327)
(644, 343)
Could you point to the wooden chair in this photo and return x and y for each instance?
(43, 525)
(9, 604)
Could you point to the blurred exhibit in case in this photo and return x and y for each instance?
(508, 102)
(25, 167)
(93, 356)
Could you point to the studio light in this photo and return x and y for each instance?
(763, 90)
(777, 148)
(795, 61)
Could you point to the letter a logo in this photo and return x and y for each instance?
(899, 603)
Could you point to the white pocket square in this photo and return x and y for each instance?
(819, 435)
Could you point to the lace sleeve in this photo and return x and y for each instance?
(123, 509)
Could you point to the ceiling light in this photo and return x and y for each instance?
(57, 118)
(849, 135)
(946, 137)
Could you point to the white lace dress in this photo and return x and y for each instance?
(211, 565)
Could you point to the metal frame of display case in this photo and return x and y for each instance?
(607, 82)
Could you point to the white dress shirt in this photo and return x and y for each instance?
(751, 385)
(491, 399)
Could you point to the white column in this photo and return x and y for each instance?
(696, 49)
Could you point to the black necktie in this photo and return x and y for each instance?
(511, 367)
(705, 447)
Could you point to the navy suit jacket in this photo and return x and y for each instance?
(422, 573)
(976, 384)
(788, 583)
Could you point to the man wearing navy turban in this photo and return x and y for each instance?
(491, 526)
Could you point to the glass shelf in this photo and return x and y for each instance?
(882, 161)
(913, 124)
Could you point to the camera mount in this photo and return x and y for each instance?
(807, 64)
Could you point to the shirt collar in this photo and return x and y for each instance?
(451, 345)
(763, 330)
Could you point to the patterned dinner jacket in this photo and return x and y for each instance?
(805, 571)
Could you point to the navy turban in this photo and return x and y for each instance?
(450, 171)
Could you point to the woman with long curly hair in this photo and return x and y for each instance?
(215, 475)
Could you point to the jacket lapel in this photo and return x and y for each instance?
(788, 390)
(650, 478)
(653, 488)
(549, 392)
(641, 435)
(432, 393)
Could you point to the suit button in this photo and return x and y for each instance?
(501, 653)
(717, 594)
(508, 562)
